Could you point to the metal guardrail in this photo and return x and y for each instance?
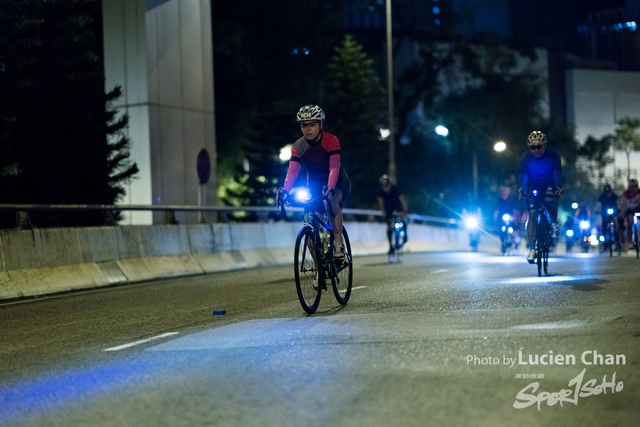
(22, 211)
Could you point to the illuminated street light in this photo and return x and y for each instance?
(442, 131)
(391, 140)
(500, 146)
(285, 153)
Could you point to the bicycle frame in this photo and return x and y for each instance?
(543, 228)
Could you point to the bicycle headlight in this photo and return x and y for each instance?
(584, 225)
(506, 217)
(610, 211)
(301, 194)
(569, 233)
(471, 223)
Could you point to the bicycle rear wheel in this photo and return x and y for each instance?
(308, 270)
(343, 279)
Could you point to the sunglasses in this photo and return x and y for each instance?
(308, 124)
(536, 147)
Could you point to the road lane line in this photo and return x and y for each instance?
(440, 271)
(358, 287)
(131, 344)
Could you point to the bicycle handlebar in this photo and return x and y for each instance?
(282, 201)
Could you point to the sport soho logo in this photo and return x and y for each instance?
(577, 387)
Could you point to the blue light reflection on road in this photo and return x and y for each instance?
(248, 349)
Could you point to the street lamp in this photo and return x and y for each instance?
(499, 146)
(392, 148)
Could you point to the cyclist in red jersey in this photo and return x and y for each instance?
(319, 152)
(630, 204)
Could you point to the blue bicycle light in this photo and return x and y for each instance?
(301, 194)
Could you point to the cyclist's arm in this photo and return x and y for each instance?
(292, 174)
(381, 206)
(557, 172)
(334, 170)
(405, 205)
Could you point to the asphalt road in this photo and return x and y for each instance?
(443, 339)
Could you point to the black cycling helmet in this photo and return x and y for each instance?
(384, 179)
(606, 188)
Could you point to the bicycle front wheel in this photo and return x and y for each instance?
(541, 230)
(343, 280)
(308, 270)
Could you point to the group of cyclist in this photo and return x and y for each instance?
(540, 171)
(612, 208)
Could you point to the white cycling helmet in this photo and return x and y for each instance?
(310, 112)
(536, 138)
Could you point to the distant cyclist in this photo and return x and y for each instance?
(630, 205)
(390, 200)
(540, 170)
(506, 205)
(319, 152)
(607, 200)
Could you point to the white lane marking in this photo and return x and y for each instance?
(440, 271)
(131, 344)
(358, 287)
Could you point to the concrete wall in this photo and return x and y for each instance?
(49, 261)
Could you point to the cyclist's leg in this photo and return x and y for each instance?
(552, 208)
(389, 220)
(342, 190)
(336, 219)
(530, 205)
(628, 225)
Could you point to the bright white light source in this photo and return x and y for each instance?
(285, 153)
(574, 205)
(500, 146)
(301, 194)
(384, 133)
(584, 225)
(471, 223)
(506, 217)
(442, 131)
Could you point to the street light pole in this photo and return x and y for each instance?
(392, 147)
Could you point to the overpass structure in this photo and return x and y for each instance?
(160, 52)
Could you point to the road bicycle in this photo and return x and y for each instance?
(398, 238)
(509, 237)
(609, 236)
(543, 236)
(314, 259)
(635, 233)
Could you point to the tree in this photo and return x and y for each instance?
(626, 138)
(61, 142)
(354, 108)
(597, 151)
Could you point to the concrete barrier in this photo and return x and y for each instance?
(47, 261)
